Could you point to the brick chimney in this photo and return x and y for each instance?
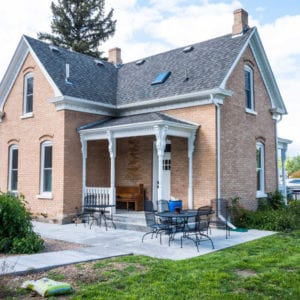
(114, 56)
(240, 24)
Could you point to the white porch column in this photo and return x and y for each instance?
(191, 147)
(84, 156)
(160, 133)
(112, 154)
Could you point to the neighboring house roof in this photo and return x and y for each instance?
(194, 75)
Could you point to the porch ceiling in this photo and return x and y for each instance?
(137, 125)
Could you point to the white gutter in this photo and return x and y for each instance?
(219, 211)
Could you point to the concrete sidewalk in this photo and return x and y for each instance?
(104, 244)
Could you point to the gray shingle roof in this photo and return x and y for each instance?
(130, 120)
(89, 80)
(205, 67)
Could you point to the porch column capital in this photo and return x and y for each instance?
(191, 143)
(161, 134)
(83, 146)
(111, 144)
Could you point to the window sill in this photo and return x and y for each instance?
(45, 196)
(27, 115)
(261, 195)
(250, 111)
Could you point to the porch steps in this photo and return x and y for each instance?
(130, 220)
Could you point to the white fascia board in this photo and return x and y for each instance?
(138, 129)
(12, 71)
(224, 82)
(82, 105)
(173, 102)
(267, 73)
(55, 88)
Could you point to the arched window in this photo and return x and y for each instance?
(28, 94)
(46, 169)
(260, 169)
(249, 88)
(13, 168)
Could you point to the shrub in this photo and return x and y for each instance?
(16, 231)
(271, 214)
(295, 174)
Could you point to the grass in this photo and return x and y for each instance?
(268, 268)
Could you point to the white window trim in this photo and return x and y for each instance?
(250, 109)
(11, 148)
(27, 114)
(43, 194)
(261, 193)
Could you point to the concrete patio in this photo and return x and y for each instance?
(101, 244)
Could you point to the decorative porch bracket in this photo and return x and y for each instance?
(191, 147)
(161, 134)
(84, 157)
(112, 154)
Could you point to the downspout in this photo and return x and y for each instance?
(283, 158)
(219, 212)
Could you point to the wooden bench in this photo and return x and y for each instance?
(131, 194)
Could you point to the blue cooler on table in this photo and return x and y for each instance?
(175, 203)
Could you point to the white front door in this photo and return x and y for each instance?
(166, 174)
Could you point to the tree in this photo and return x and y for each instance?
(80, 25)
(293, 164)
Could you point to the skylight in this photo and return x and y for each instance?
(161, 77)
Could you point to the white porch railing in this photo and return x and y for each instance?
(100, 194)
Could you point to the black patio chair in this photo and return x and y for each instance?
(157, 226)
(197, 232)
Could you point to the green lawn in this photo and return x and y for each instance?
(268, 268)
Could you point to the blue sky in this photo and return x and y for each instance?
(149, 27)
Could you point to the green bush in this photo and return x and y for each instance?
(16, 231)
(271, 214)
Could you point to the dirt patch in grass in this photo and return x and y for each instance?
(246, 273)
(78, 275)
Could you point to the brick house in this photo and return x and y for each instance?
(194, 123)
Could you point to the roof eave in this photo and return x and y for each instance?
(82, 105)
(264, 66)
(188, 99)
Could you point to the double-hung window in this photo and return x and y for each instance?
(28, 95)
(260, 170)
(13, 169)
(249, 89)
(46, 169)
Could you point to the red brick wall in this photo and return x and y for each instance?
(59, 127)
(240, 131)
(29, 133)
(204, 160)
